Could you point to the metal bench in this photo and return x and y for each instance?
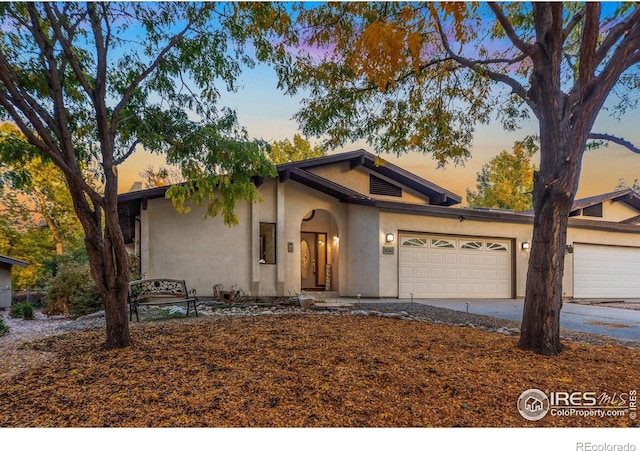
(159, 292)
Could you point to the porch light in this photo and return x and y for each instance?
(390, 237)
(525, 245)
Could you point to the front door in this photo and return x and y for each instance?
(313, 260)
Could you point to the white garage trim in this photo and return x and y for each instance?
(601, 271)
(441, 266)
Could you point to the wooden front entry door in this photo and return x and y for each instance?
(313, 260)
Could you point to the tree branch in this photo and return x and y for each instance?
(161, 55)
(56, 88)
(54, 18)
(588, 43)
(615, 34)
(524, 47)
(575, 20)
(616, 140)
(132, 147)
(480, 67)
(625, 55)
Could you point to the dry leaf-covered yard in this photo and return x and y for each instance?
(304, 371)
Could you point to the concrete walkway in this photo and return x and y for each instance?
(614, 322)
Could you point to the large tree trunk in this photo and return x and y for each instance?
(107, 258)
(554, 188)
(553, 199)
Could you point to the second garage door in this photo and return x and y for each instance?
(433, 266)
(606, 271)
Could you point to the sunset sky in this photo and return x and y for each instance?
(267, 113)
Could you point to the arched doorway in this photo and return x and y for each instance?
(319, 252)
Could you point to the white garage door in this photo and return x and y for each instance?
(433, 266)
(606, 271)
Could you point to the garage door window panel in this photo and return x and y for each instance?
(498, 247)
(438, 243)
(414, 242)
(472, 245)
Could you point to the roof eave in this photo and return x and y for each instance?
(13, 261)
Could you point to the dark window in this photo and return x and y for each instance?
(379, 186)
(594, 211)
(267, 242)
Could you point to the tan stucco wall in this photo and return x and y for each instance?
(202, 251)
(616, 212)
(357, 179)
(299, 200)
(5, 285)
(362, 243)
(205, 252)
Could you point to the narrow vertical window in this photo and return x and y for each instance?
(267, 242)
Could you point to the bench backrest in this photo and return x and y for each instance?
(146, 288)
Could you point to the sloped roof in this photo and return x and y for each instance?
(12, 261)
(355, 158)
(628, 196)
(129, 204)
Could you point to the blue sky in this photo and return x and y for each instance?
(267, 113)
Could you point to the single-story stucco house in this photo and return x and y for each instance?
(6, 263)
(346, 224)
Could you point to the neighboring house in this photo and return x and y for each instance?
(345, 224)
(5, 279)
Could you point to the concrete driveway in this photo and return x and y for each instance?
(614, 322)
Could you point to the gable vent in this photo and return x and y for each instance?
(382, 187)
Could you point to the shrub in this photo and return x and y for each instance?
(72, 291)
(3, 327)
(87, 301)
(16, 310)
(22, 310)
(27, 311)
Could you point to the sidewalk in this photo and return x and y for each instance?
(609, 321)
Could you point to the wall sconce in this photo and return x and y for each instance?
(390, 237)
(336, 240)
(569, 248)
(525, 245)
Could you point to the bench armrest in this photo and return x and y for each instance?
(191, 292)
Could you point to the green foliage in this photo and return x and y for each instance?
(507, 180)
(162, 177)
(27, 311)
(72, 291)
(134, 267)
(87, 301)
(419, 76)
(37, 212)
(622, 184)
(300, 149)
(88, 83)
(22, 310)
(16, 310)
(4, 329)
